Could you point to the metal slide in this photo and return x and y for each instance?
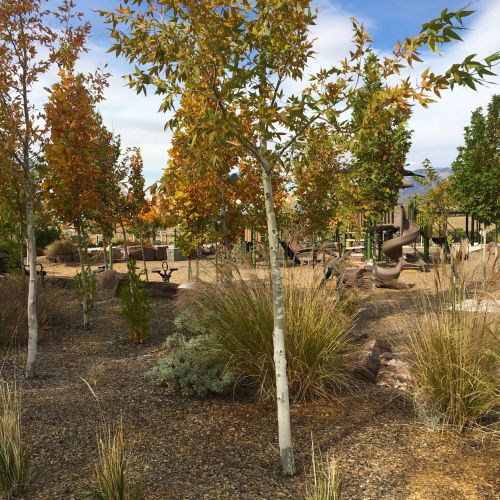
(408, 232)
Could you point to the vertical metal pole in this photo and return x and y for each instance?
(426, 247)
(110, 255)
(467, 225)
(254, 258)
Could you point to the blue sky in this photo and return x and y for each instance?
(437, 130)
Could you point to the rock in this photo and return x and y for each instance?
(365, 363)
(160, 252)
(118, 254)
(189, 285)
(394, 372)
(108, 280)
(149, 253)
(44, 260)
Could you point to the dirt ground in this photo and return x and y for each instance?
(188, 448)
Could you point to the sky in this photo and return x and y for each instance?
(437, 131)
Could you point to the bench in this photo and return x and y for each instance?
(165, 272)
(39, 272)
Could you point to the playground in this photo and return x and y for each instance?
(171, 437)
(249, 250)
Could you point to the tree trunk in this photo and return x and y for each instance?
(144, 261)
(125, 242)
(32, 292)
(283, 403)
(105, 254)
(82, 279)
(225, 231)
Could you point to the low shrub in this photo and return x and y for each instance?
(55, 307)
(62, 247)
(191, 367)
(237, 316)
(112, 477)
(14, 472)
(454, 351)
(136, 306)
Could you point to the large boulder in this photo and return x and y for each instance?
(108, 280)
(394, 372)
(365, 362)
(160, 252)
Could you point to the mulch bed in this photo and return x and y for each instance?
(188, 448)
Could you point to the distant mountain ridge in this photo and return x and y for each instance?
(405, 194)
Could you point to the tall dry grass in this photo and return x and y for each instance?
(112, 480)
(56, 306)
(453, 346)
(14, 472)
(325, 480)
(237, 314)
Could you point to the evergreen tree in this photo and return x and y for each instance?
(476, 171)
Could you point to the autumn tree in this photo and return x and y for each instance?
(12, 211)
(435, 204)
(319, 180)
(108, 194)
(475, 178)
(240, 55)
(131, 201)
(73, 153)
(28, 47)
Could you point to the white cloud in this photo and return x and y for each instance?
(438, 130)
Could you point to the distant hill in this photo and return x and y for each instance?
(405, 194)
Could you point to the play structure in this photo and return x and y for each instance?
(165, 272)
(409, 232)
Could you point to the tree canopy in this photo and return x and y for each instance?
(475, 181)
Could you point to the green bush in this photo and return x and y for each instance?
(191, 367)
(493, 235)
(62, 247)
(237, 316)
(454, 354)
(47, 235)
(136, 306)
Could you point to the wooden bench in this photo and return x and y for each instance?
(39, 272)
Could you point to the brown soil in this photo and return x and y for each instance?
(187, 448)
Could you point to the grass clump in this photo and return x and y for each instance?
(192, 368)
(454, 351)
(136, 306)
(55, 307)
(237, 317)
(62, 247)
(14, 472)
(112, 476)
(325, 481)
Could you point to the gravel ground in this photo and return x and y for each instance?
(187, 448)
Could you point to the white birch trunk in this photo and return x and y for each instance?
(282, 398)
(85, 308)
(32, 287)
